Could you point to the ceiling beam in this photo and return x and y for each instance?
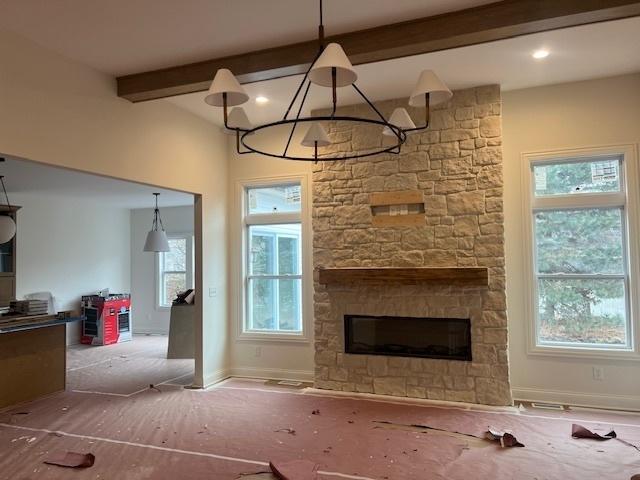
(485, 23)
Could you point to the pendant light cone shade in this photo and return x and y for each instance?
(431, 84)
(316, 133)
(7, 228)
(400, 118)
(157, 241)
(333, 56)
(237, 119)
(225, 82)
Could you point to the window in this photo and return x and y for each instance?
(175, 269)
(273, 259)
(582, 291)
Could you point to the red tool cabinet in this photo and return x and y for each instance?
(107, 319)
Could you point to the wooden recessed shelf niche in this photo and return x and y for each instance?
(401, 209)
(477, 276)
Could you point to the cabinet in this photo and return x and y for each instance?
(8, 261)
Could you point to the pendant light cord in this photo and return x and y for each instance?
(5, 191)
(156, 215)
(321, 29)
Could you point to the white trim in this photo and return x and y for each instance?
(608, 401)
(213, 378)
(629, 179)
(238, 258)
(272, 373)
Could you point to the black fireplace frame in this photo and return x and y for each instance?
(348, 337)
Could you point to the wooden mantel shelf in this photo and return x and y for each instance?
(478, 276)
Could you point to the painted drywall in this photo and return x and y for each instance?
(579, 114)
(59, 112)
(262, 358)
(70, 247)
(148, 317)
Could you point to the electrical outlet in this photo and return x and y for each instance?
(258, 352)
(213, 291)
(598, 374)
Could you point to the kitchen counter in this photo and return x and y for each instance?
(32, 356)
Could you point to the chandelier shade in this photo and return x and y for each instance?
(237, 120)
(333, 59)
(225, 84)
(316, 136)
(400, 118)
(430, 84)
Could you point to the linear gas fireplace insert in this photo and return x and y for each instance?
(447, 338)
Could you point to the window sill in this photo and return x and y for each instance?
(628, 354)
(275, 337)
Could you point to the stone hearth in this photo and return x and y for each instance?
(457, 165)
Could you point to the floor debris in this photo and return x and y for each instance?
(290, 431)
(468, 439)
(578, 431)
(71, 459)
(153, 387)
(315, 412)
(295, 470)
(506, 439)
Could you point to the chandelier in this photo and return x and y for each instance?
(332, 69)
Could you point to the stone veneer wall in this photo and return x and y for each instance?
(457, 163)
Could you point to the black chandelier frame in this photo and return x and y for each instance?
(400, 135)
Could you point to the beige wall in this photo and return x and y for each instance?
(58, 112)
(261, 358)
(581, 114)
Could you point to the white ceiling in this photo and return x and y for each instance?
(26, 177)
(129, 36)
(591, 51)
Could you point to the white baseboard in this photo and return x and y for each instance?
(146, 331)
(215, 377)
(619, 402)
(272, 373)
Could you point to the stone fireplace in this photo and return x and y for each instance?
(452, 175)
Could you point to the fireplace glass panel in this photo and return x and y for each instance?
(448, 338)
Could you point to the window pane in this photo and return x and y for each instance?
(580, 241)
(584, 311)
(262, 301)
(176, 259)
(589, 176)
(262, 251)
(289, 293)
(276, 199)
(288, 252)
(173, 283)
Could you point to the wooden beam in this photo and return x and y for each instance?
(485, 23)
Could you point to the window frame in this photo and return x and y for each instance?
(240, 255)
(627, 199)
(190, 273)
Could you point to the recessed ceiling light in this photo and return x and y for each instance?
(261, 100)
(540, 54)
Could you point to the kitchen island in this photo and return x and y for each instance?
(32, 356)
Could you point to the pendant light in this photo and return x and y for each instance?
(157, 240)
(7, 223)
